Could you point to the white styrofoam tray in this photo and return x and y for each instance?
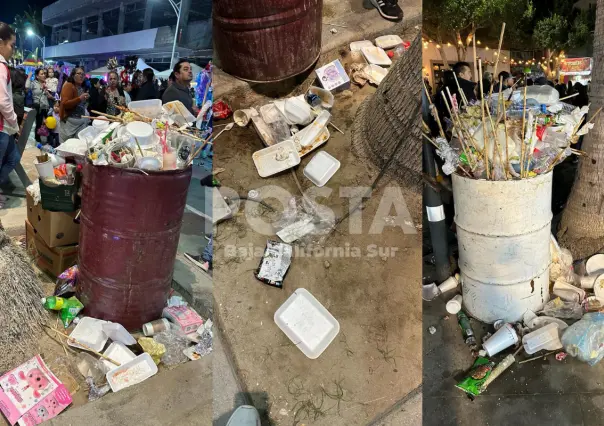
(266, 159)
(388, 41)
(356, 46)
(143, 362)
(118, 352)
(376, 55)
(307, 323)
(89, 331)
(321, 168)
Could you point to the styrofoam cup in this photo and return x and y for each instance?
(449, 284)
(45, 169)
(157, 326)
(588, 281)
(503, 338)
(454, 305)
(242, 117)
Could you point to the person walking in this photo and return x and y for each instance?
(18, 78)
(148, 89)
(9, 154)
(73, 106)
(114, 94)
(97, 97)
(180, 89)
(41, 97)
(52, 84)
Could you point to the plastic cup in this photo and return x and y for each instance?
(45, 169)
(502, 339)
(242, 117)
(588, 281)
(454, 305)
(157, 326)
(449, 284)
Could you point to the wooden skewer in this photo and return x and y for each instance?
(107, 115)
(88, 348)
(463, 146)
(568, 97)
(464, 129)
(496, 142)
(478, 77)
(442, 132)
(505, 124)
(538, 357)
(101, 119)
(461, 93)
(430, 140)
(522, 135)
(335, 127)
(497, 60)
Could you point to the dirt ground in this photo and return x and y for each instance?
(376, 358)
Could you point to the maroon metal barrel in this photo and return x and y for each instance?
(267, 40)
(129, 230)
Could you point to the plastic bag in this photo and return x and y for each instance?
(95, 392)
(562, 263)
(174, 344)
(477, 376)
(156, 350)
(562, 309)
(585, 338)
(67, 282)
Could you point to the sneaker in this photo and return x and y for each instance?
(198, 261)
(245, 415)
(389, 9)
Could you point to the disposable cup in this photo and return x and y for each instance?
(157, 326)
(502, 339)
(588, 281)
(449, 284)
(45, 169)
(242, 117)
(454, 305)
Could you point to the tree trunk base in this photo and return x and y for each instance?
(582, 240)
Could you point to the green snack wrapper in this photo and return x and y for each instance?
(480, 372)
(71, 308)
(463, 159)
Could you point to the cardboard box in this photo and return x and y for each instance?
(53, 260)
(55, 228)
(333, 76)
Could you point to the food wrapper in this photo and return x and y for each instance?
(477, 376)
(70, 310)
(67, 282)
(274, 264)
(156, 350)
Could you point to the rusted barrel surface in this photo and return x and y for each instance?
(130, 225)
(267, 40)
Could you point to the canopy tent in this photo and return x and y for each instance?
(141, 65)
(165, 74)
(99, 72)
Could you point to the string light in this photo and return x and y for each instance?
(478, 42)
(438, 46)
(486, 48)
(449, 44)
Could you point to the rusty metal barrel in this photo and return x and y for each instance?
(129, 230)
(267, 40)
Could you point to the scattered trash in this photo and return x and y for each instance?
(503, 338)
(430, 292)
(466, 330)
(498, 324)
(242, 117)
(375, 73)
(321, 168)
(432, 329)
(67, 282)
(221, 110)
(544, 338)
(154, 349)
(31, 394)
(376, 55)
(118, 333)
(477, 376)
(561, 356)
(454, 305)
(174, 343)
(585, 338)
(333, 31)
(69, 308)
(569, 292)
(274, 264)
(118, 352)
(205, 345)
(562, 309)
(388, 41)
(307, 323)
(276, 158)
(89, 332)
(91, 367)
(356, 46)
(332, 76)
(183, 318)
(542, 321)
(176, 301)
(157, 326)
(96, 392)
(131, 373)
(595, 264)
(449, 284)
(503, 365)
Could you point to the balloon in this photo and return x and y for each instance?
(51, 122)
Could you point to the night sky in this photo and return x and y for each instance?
(11, 8)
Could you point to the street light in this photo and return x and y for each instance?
(177, 9)
(31, 33)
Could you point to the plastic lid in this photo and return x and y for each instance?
(43, 300)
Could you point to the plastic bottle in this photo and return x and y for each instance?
(54, 303)
(46, 149)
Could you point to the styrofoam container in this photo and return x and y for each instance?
(45, 170)
(266, 159)
(321, 168)
(599, 287)
(376, 55)
(118, 333)
(100, 125)
(388, 41)
(542, 321)
(356, 46)
(89, 133)
(595, 264)
(151, 108)
(502, 339)
(89, 331)
(375, 73)
(569, 292)
(546, 337)
(118, 352)
(140, 369)
(307, 323)
(143, 132)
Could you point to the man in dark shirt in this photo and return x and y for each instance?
(180, 89)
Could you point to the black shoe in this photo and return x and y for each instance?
(389, 9)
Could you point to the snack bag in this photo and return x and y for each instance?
(480, 372)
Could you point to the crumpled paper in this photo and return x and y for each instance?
(448, 154)
(153, 348)
(34, 191)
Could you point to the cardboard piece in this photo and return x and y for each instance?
(55, 228)
(332, 76)
(30, 394)
(53, 260)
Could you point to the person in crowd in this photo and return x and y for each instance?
(427, 83)
(97, 97)
(114, 94)
(73, 105)
(463, 71)
(147, 90)
(52, 84)
(582, 99)
(18, 78)
(569, 88)
(53, 132)
(179, 90)
(167, 83)
(561, 88)
(487, 81)
(9, 154)
(508, 81)
(41, 96)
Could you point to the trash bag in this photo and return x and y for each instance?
(585, 338)
(562, 309)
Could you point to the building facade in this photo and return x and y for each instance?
(89, 32)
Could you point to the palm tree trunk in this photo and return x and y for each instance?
(392, 115)
(582, 226)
